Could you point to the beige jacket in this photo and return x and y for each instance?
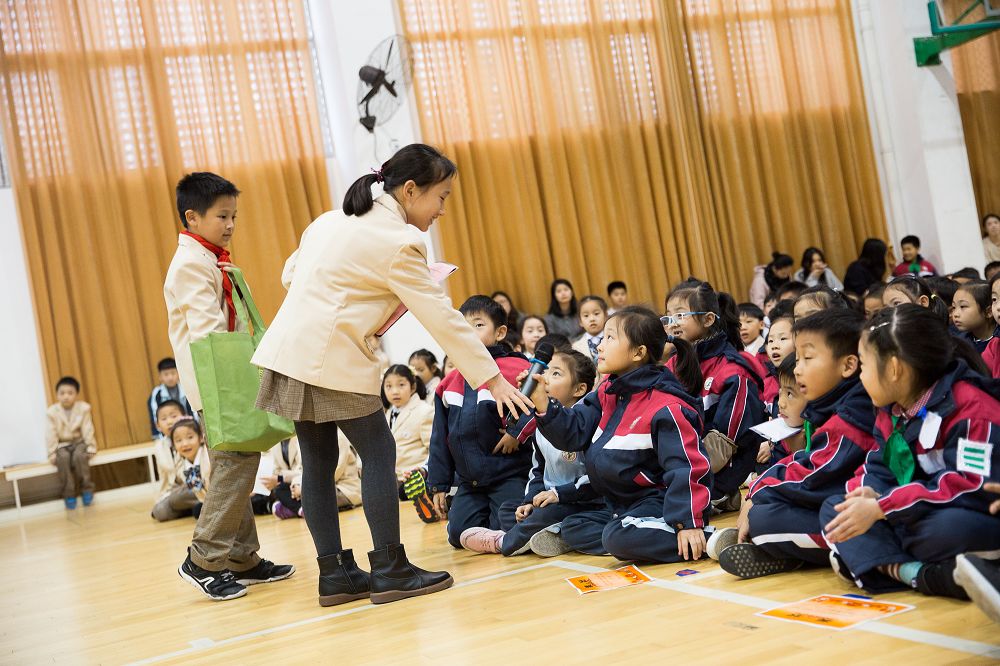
(345, 280)
(63, 429)
(195, 306)
(171, 467)
(293, 467)
(412, 431)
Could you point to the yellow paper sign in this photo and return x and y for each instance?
(835, 612)
(608, 580)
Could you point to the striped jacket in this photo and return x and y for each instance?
(639, 434)
(467, 428)
(956, 442)
(843, 420)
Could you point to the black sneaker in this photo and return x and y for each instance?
(265, 572)
(748, 560)
(938, 580)
(216, 585)
(981, 580)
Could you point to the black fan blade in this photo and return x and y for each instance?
(390, 86)
(389, 54)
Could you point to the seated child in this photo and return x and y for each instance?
(70, 440)
(919, 500)
(790, 403)
(194, 469)
(617, 296)
(424, 364)
(780, 345)
(973, 313)
(751, 327)
(467, 430)
(286, 464)
(779, 526)
(347, 479)
(532, 330)
(639, 436)
(168, 389)
(913, 263)
(167, 459)
(411, 420)
(593, 316)
(978, 576)
(917, 291)
(872, 300)
(558, 486)
(819, 298)
(991, 355)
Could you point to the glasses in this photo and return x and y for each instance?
(672, 320)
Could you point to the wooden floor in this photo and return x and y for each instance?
(99, 586)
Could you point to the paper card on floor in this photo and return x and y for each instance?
(266, 468)
(608, 580)
(834, 611)
(775, 430)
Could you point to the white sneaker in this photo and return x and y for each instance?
(548, 544)
(720, 540)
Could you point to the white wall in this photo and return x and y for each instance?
(22, 391)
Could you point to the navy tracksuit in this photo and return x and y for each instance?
(943, 511)
(784, 518)
(639, 434)
(466, 430)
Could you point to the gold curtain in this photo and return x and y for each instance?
(643, 140)
(977, 81)
(107, 103)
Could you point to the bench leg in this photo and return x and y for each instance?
(17, 495)
(152, 470)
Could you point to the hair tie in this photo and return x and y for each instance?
(874, 328)
(378, 175)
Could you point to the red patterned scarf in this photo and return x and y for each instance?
(222, 255)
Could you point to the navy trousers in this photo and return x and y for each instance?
(479, 506)
(519, 533)
(786, 530)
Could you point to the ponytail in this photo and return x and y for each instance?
(964, 350)
(730, 317)
(687, 368)
(420, 163)
(642, 328)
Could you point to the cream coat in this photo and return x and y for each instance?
(171, 467)
(63, 429)
(345, 280)
(412, 431)
(293, 467)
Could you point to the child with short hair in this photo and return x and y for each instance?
(173, 500)
(424, 364)
(973, 313)
(533, 329)
(779, 528)
(919, 500)
(638, 433)
(992, 268)
(872, 300)
(467, 430)
(558, 341)
(593, 316)
(769, 302)
(789, 404)
(169, 388)
(558, 486)
(818, 298)
(733, 381)
(617, 296)
(913, 263)
(751, 327)
(71, 443)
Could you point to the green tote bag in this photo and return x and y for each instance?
(228, 382)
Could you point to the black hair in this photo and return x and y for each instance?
(916, 287)
(513, 339)
(791, 290)
(418, 162)
(701, 297)
(910, 240)
(786, 371)
(530, 317)
(186, 423)
(596, 299)
(513, 317)
(840, 328)
(403, 371)
(967, 273)
(558, 341)
(780, 260)
(617, 284)
(198, 191)
(167, 363)
(481, 304)
(430, 360)
(930, 354)
(992, 266)
(68, 381)
(982, 294)
(554, 308)
(782, 310)
(642, 327)
(772, 296)
(807, 259)
(581, 368)
(986, 218)
(874, 291)
(942, 287)
(750, 310)
(872, 256)
(170, 403)
(825, 297)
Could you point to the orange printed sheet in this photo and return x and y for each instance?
(835, 612)
(608, 580)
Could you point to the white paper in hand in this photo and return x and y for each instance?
(266, 468)
(775, 430)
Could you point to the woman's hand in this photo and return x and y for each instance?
(523, 512)
(693, 541)
(507, 396)
(440, 501)
(856, 516)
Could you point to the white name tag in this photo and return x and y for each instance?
(929, 430)
(974, 457)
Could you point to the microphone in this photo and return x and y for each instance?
(543, 354)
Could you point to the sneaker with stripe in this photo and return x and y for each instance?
(216, 585)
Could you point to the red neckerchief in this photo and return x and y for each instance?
(222, 255)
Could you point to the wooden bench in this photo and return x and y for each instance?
(102, 457)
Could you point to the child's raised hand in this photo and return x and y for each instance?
(545, 498)
(691, 541)
(855, 516)
(523, 512)
(507, 444)
(993, 487)
(440, 501)
(743, 522)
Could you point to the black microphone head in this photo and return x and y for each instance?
(544, 352)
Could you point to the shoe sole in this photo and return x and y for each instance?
(722, 539)
(257, 581)
(338, 599)
(197, 585)
(399, 595)
(745, 560)
(548, 544)
(979, 589)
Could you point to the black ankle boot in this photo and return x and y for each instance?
(340, 579)
(394, 578)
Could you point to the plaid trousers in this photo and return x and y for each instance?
(225, 536)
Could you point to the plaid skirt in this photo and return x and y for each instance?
(299, 401)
